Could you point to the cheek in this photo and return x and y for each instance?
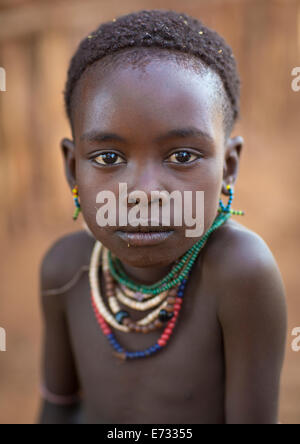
(90, 182)
(213, 188)
(210, 182)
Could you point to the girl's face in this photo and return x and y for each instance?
(156, 128)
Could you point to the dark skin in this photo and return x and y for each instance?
(224, 359)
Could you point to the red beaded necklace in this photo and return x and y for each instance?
(101, 312)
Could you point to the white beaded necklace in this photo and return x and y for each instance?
(98, 300)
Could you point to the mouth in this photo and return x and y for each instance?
(146, 229)
(142, 236)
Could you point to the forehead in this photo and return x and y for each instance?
(151, 97)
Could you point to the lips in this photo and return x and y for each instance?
(145, 229)
(143, 238)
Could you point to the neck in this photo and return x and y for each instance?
(146, 276)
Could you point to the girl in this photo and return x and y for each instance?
(144, 324)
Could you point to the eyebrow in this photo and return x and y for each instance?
(191, 131)
(183, 133)
(102, 136)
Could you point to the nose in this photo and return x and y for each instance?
(146, 179)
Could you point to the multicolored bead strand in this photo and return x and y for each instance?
(161, 342)
(167, 312)
(135, 295)
(76, 202)
(227, 209)
(119, 318)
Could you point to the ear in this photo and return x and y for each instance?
(68, 150)
(231, 162)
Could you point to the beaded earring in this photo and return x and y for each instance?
(228, 209)
(76, 201)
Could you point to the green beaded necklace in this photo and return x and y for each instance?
(181, 268)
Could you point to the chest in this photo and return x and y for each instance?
(187, 374)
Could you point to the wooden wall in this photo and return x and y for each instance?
(37, 38)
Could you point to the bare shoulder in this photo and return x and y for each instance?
(251, 312)
(64, 258)
(244, 270)
(236, 248)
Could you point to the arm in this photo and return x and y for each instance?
(55, 414)
(252, 314)
(59, 376)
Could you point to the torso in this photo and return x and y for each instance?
(182, 383)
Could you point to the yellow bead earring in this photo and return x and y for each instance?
(76, 201)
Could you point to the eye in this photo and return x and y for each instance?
(108, 158)
(183, 156)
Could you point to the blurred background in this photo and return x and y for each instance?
(37, 39)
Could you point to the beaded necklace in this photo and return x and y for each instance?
(185, 263)
(119, 316)
(168, 292)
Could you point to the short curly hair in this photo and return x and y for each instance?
(164, 30)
